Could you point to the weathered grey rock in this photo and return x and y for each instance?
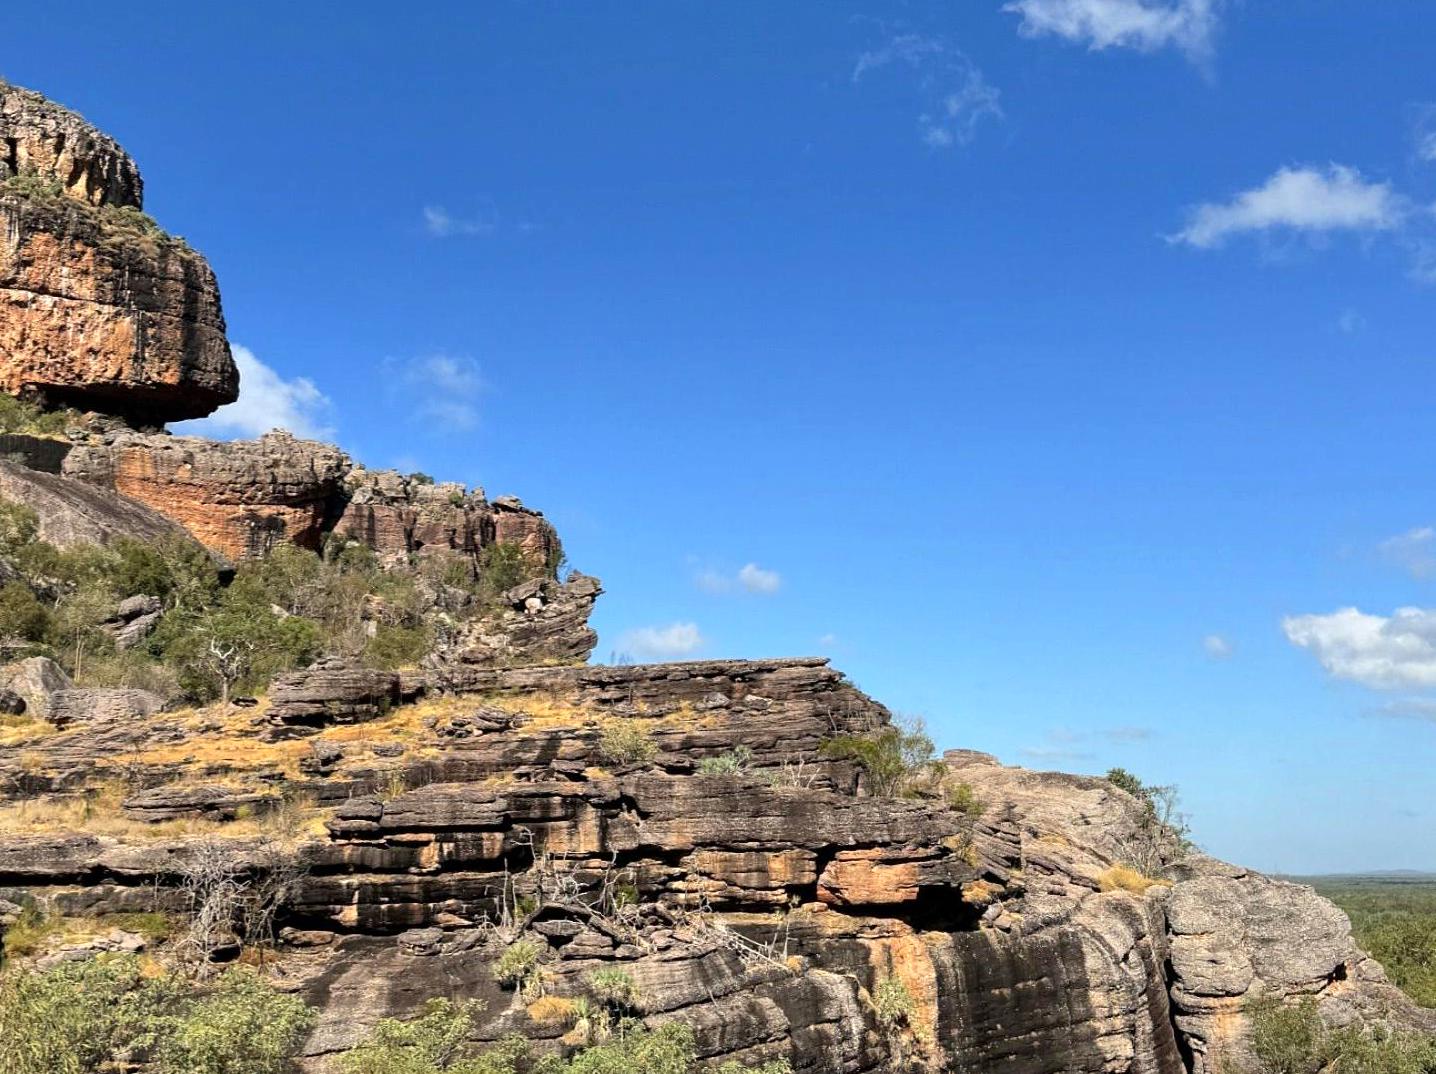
(36, 679)
(73, 513)
(332, 691)
(101, 706)
(542, 621)
(207, 801)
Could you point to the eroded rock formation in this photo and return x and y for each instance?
(99, 308)
(39, 137)
(766, 907)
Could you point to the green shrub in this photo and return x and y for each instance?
(503, 565)
(735, 760)
(432, 1042)
(394, 647)
(614, 988)
(239, 1026)
(1292, 1039)
(893, 1004)
(894, 758)
(519, 962)
(627, 743)
(101, 1014)
(72, 1019)
(22, 616)
(1161, 836)
(632, 1049)
(961, 798)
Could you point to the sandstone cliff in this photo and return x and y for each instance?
(689, 823)
(98, 307)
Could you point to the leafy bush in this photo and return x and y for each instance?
(519, 962)
(627, 743)
(432, 1042)
(22, 616)
(1161, 836)
(614, 988)
(239, 1026)
(961, 798)
(18, 416)
(1293, 1039)
(894, 758)
(503, 565)
(735, 760)
(99, 1014)
(893, 1003)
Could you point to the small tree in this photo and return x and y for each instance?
(894, 758)
(1160, 835)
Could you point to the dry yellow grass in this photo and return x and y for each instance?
(553, 1011)
(97, 811)
(20, 730)
(980, 892)
(1125, 878)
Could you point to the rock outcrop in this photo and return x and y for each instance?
(239, 498)
(73, 513)
(40, 138)
(99, 308)
(765, 906)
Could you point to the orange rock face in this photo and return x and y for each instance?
(40, 138)
(99, 309)
(107, 317)
(239, 498)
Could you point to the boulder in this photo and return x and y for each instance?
(102, 706)
(332, 691)
(36, 680)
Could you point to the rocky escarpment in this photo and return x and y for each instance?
(765, 901)
(40, 138)
(99, 308)
(241, 498)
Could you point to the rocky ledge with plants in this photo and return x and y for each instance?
(302, 767)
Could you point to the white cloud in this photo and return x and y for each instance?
(1414, 550)
(1305, 199)
(676, 639)
(756, 579)
(958, 98)
(827, 641)
(1350, 322)
(1217, 647)
(1144, 25)
(443, 388)
(266, 401)
(1383, 652)
(750, 577)
(441, 224)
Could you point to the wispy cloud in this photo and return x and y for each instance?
(1410, 708)
(1309, 200)
(1217, 647)
(1414, 551)
(443, 389)
(749, 578)
(1144, 25)
(1424, 133)
(675, 639)
(442, 224)
(1350, 322)
(956, 96)
(266, 401)
(1382, 652)
(1062, 744)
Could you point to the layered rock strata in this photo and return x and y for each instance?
(765, 907)
(40, 138)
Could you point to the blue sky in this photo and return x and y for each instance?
(1062, 368)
